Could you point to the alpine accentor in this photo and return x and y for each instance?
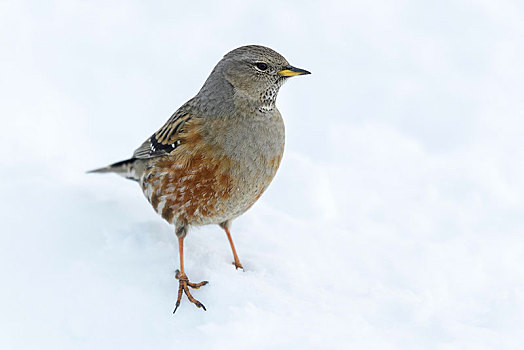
(217, 153)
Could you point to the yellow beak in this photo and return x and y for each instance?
(291, 71)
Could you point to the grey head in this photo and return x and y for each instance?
(248, 77)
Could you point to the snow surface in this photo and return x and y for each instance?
(395, 221)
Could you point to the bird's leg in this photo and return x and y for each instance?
(183, 281)
(237, 263)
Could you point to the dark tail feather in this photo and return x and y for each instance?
(124, 168)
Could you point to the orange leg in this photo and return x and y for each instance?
(237, 263)
(183, 281)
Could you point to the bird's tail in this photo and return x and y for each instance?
(125, 168)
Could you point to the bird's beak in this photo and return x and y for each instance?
(291, 71)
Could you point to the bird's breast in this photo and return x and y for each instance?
(215, 177)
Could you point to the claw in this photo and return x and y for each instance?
(183, 283)
(238, 266)
(200, 305)
(176, 307)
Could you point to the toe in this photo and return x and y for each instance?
(238, 266)
(197, 285)
(200, 305)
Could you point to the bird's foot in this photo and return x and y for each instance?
(183, 283)
(238, 265)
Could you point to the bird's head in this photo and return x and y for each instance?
(255, 73)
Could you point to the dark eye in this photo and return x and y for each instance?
(261, 65)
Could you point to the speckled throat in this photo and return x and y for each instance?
(269, 97)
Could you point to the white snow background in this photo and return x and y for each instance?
(394, 222)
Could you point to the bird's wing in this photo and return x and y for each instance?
(166, 139)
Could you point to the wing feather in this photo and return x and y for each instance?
(166, 139)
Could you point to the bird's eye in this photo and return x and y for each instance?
(261, 65)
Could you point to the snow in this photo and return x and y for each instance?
(395, 221)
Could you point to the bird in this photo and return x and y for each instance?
(216, 154)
